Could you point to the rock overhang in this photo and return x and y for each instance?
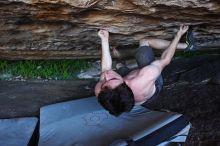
(43, 29)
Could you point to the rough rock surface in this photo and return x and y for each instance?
(201, 103)
(36, 29)
(192, 88)
(24, 98)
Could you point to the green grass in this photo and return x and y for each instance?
(60, 69)
(46, 69)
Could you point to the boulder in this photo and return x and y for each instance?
(44, 29)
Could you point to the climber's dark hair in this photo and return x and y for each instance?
(118, 100)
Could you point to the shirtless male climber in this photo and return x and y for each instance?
(118, 91)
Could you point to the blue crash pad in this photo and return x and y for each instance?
(84, 122)
(17, 131)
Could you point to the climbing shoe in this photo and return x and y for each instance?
(190, 41)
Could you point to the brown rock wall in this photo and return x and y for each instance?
(64, 25)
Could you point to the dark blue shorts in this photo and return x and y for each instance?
(144, 56)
